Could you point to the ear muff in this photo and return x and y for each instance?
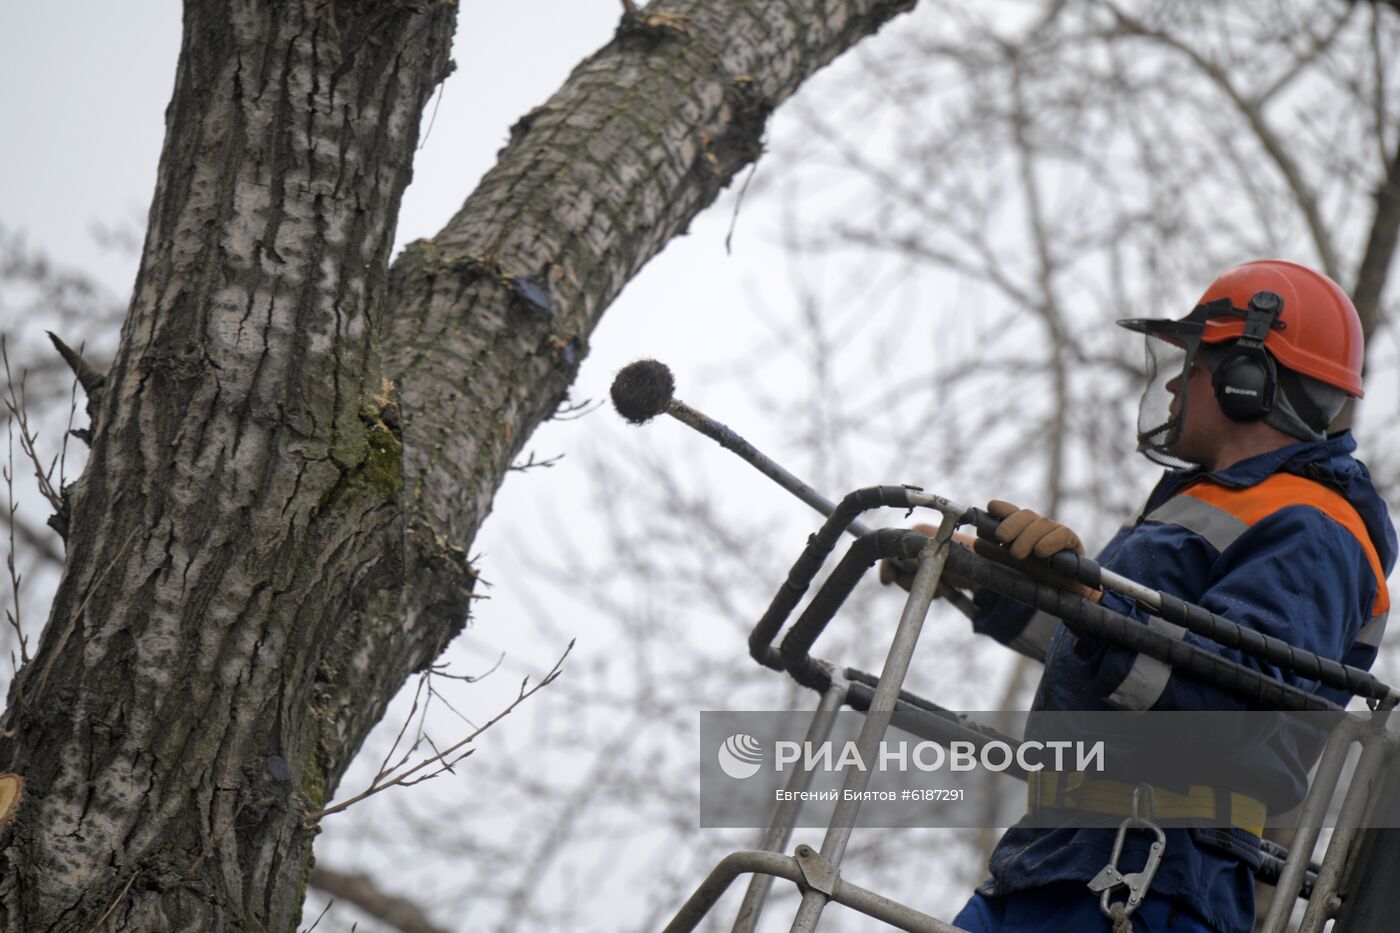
(1244, 384)
(1246, 379)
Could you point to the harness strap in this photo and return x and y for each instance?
(1074, 790)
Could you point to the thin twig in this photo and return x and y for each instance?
(531, 463)
(317, 921)
(384, 767)
(440, 670)
(14, 618)
(432, 119)
(738, 203)
(445, 702)
(113, 906)
(407, 779)
(28, 440)
(572, 411)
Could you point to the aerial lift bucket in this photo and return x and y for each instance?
(1325, 886)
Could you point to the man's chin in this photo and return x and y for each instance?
(1183, 452)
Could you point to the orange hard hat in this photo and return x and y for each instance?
(1321, 334)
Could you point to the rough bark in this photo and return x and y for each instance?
(490, 319)
(240, 508)
(233, 616)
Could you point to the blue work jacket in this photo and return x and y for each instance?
(1295, 543)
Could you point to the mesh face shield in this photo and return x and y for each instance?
(1171, 349)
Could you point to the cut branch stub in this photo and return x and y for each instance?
(11, 790)
(88, 377)
(92, 382)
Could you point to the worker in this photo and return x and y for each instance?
(1262, 518)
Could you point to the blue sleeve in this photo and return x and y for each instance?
(1296, 575)
(1001, 617)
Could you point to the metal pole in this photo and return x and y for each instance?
(882, 705)
(731, 440)
(1376, 747)
(1310, 822)
(867, 902)
(775, 838)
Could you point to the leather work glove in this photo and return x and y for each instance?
(1025, 533)
(902, 571)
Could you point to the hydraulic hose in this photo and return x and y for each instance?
(795, 651)
(819, 547)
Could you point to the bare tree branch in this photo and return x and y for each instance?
(1376, 262)
(398, 776)
(1321, 42)
(361, 890)
(1250, 109)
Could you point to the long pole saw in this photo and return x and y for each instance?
(646, 388)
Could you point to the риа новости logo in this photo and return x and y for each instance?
(740, 756)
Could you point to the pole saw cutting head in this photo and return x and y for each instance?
(643, 390)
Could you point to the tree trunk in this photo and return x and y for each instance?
(233, 616)
(239, 509)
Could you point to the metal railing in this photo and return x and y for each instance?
(817, 874)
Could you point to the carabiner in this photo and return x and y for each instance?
(1110, 878)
